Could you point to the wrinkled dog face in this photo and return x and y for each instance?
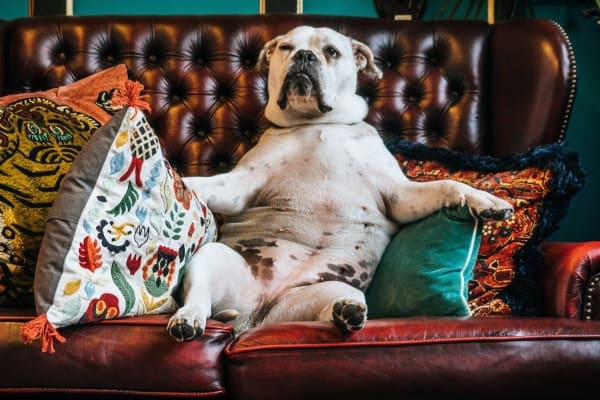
(312, 75)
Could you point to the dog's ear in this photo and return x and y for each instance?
(264, 57)
(364, 59)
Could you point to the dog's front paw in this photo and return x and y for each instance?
(186, 324)
(489, 207)
(349, 315)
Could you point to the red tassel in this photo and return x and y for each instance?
(131, 97)
(41, 328)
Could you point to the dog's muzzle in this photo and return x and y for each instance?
(302, 80)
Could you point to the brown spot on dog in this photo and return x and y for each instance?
(257, 243)
(368, 265)
(342, 269)
(260, 267)
(263, 270)
(328, 276)
(252, 256)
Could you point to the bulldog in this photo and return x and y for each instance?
(309, 211)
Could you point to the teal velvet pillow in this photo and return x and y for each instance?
(426, 267)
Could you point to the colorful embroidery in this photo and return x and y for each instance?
(138, 230)
(495, 268)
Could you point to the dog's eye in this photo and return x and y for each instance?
(285, 47)
(333, 53)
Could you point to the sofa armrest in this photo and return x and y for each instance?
(570, 279)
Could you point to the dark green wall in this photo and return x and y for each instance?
(583, 221)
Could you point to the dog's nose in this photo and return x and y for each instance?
(305, 56)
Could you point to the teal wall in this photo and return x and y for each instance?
(583, 221)
(333, 7)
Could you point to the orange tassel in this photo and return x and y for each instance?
(131, 96)
(41, 328)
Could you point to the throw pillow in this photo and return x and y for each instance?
(40, 135)
(539, 184)
(119, 234)
(426, 268)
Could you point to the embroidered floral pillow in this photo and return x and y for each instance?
(539, 184)
(119, 235)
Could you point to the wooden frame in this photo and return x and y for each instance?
(282, 6)
(50, 7)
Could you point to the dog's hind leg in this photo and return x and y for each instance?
(330, 301)
(216, 280)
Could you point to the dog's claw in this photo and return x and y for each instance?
(496, 215)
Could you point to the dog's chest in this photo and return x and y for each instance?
(317, 168)
(318, 190)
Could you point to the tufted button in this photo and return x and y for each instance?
(110, 59)
(202, 52)
(224, 91)
(413, 93)
(152, 59)
(60, 57)
(201, 127)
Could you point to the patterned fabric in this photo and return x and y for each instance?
(40, 135)
(538, 184)
(131, 224)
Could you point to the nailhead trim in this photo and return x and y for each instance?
(572, 83)
(588, 311)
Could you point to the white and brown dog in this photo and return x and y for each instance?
(311, 208)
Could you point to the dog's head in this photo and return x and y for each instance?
(312, 76)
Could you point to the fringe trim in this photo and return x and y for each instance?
(41, 328)
(131, 97)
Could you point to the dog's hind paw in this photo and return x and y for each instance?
(349, 315)
(183, 327)
(182, 331)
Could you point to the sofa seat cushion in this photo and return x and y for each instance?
(132, 355)
(416, 357)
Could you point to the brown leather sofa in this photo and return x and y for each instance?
(513, 64)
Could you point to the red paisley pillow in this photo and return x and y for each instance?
(539, 185)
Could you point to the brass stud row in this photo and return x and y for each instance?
(588, 305)
(572, 82)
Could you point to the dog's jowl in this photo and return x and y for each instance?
(310, 209)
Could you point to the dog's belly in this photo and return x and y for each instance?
(312, 224)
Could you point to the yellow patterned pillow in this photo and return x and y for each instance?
(40, 135)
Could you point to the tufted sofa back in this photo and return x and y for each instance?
(464, 85)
